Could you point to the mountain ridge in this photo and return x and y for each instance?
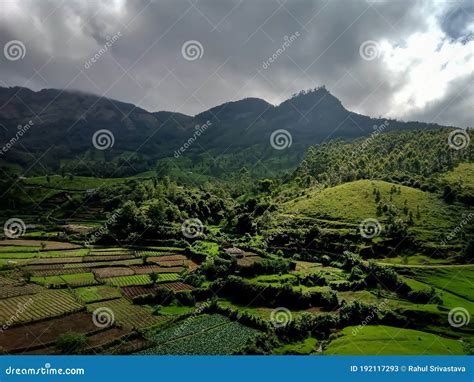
(66, 121)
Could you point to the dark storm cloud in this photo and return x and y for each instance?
(145, 65)
(457, 20)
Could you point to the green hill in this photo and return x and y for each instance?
(341, 209)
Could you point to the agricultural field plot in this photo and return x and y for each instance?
(72, 280)
(46, 304)
(34, 245)
(49, 255)
(458, 280)
(207, 334)
(387, 340)
(128, 280)
(112, 271)
(19, 290)
(129, 347)
(91, 294)
(128, 315)
(248, 261)
(105, 338)
(164, 258)
(139, 279)
(8, 280)
(19, 339)
(140, 290)
(58, 272)
(99, 264)
(89, 258)
(147, 269)
(56, 260)
(171, 263)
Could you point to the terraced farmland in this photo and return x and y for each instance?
(46, 304)
(73, 280)
(128, 280)
(128, 315)
(96, 293)
(207, 334)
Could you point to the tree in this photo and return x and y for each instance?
(154, 277)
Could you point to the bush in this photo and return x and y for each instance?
(71, 343)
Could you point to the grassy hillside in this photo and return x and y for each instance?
(351, 203)
(387, 340)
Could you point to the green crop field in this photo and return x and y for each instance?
(96, 293)
(128, 280)
(74, 279)
(203, 335)
(128, 315)
(386, 340)
(46, 304)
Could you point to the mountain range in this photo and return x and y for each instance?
(237, 133)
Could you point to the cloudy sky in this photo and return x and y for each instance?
(403, 59)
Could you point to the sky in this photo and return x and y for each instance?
(404, 59)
